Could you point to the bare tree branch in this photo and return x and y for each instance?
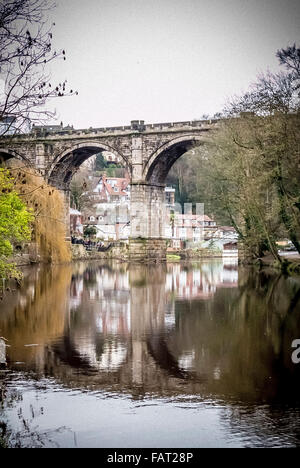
(25, 54)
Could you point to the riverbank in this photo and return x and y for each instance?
(142, 252)
(290, 263)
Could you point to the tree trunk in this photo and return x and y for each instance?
(285, 216)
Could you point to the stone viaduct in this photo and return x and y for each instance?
(148, 151)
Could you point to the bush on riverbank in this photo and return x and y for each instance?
(30, 210)
(15, 221)
(47, 205)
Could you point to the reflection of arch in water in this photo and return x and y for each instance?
(158, 349)
(68, 354)
(65, 350)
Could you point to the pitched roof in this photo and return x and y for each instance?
(121, 183)
(227, 228)
(193, 216)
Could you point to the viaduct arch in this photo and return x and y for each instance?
(65, 165)
(7, 154)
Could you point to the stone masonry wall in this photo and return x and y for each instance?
(147, 211)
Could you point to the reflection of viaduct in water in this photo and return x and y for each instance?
(134, 329)
(126, 320)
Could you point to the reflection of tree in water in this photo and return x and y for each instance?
(241, 339)
(28, 434)
(35, 314)
(240, 344)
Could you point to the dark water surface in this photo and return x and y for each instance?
(177, 355)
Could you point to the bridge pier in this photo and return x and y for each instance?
(147, 207)
(147, 221)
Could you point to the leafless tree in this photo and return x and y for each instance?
(25, 53)
(290, 58)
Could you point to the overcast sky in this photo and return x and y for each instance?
(164, 60)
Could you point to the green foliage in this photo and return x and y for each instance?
(89, 231)
(110, 168)
(14, 221)
(100, 162)
(173, 258)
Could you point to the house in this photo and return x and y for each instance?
(189, 227)
(170, 197)
(7, 125)
(110, 212)
(111, 158)
(42, 130)
(184, 230)
(226, 247)
(108, 226)
(226, 232)
(112, 190)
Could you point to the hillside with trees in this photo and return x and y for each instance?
(249, 174)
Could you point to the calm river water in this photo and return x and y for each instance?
(177, 355)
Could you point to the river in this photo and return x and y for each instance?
(128, 355)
